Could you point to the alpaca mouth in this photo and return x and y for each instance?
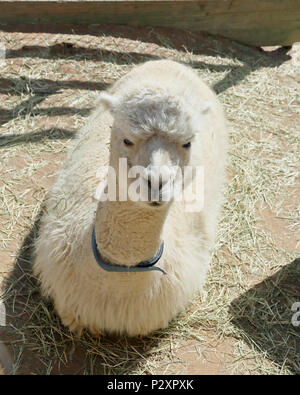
(155, 204)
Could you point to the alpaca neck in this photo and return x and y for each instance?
(127, 233)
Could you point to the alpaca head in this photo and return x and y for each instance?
(154, 133)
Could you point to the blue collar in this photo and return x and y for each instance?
(141, 267)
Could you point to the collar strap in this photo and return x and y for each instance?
(141, 267)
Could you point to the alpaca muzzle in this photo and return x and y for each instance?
(159, 180)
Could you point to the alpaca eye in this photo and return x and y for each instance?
(187, 145)
(127, 142)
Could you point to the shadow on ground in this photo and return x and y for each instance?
(264, 317)
(34, 137)
(252, 59)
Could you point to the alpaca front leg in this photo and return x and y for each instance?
(76, 327)
(70, 321)
(73, 324)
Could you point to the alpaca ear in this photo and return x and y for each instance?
(206, 106)
(199, 120)
(109, 101)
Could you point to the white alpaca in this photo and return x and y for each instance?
(160, 113)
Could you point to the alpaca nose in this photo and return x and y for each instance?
(160, 183)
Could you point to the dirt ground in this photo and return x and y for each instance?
(48, 83)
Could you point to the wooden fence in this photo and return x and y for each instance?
(253, 22)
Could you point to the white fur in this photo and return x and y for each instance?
(159, 106)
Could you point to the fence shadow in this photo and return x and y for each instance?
(252, 59)
(34, 137)
(41, 89)
(264, 316)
